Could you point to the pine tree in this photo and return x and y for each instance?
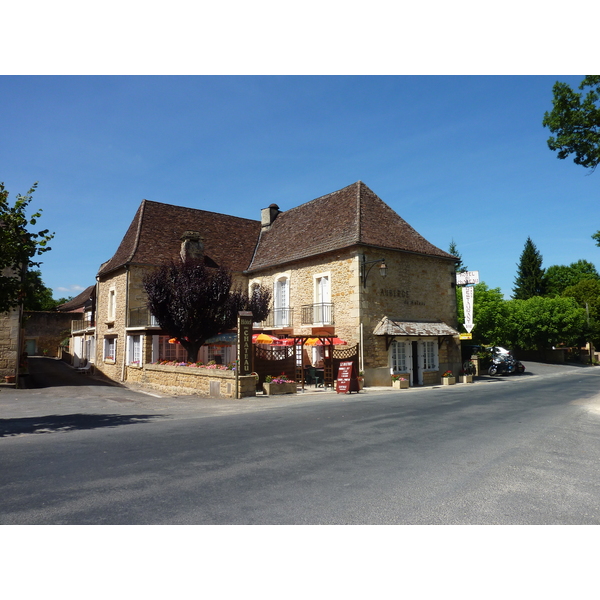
(460, 268)
(530, 275)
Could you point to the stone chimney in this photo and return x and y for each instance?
(268, 215)
(192, 246)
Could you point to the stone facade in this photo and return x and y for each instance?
(189, 380)
(45, 330)
(9, 342)
(311, 257)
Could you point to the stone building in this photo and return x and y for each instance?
(324, 261)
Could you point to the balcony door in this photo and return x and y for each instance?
(281, 302)
(322, 312)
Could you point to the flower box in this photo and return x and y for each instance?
(466, 378)
(448, 380)
(400, 384)
(274, 389)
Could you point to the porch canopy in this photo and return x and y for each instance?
(391, 327)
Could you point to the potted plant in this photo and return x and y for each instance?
(448, 378)
(361, 380)
(399, 382)
(465, 377)
(274, 386)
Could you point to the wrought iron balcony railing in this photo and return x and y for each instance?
(83, 324)
(279, 317)
(141, 317)
(320, 313)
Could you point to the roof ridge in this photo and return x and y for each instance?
(211, 212)
(136, 241)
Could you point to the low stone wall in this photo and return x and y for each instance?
(213, 383)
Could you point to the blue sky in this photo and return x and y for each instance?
(460, 158)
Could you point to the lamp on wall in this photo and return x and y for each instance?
(364, 272)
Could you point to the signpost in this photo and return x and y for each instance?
(467, 279)
(244, 346)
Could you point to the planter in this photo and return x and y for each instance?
(9, 378)
(466, 378)
(448, 380)
(274, 389)
(400, 385)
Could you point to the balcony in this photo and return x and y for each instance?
(141, 317)
(320, 313)
(82, 325)
(279, 317)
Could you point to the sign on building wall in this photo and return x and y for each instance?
(245, 320)
(468, 277)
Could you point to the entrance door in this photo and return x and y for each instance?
(401, 359)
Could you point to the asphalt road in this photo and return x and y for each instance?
(511, 450)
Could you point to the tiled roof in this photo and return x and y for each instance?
(394, 326)
(79, 300)
(351, 216)
(154, 237)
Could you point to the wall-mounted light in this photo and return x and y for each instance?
(364, 272)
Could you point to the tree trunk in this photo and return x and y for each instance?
(192, 350)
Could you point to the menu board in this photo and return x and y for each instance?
(346, 378)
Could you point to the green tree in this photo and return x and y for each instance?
(575, 119)
(587, 294)
(489, 315)
(37, 295)
(18, 246)
(538, 322)
(460, 266)
(558, 278)
(596, 236)
(530, 275)
(192, 302)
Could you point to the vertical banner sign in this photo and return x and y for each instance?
(244, 343)
(467, 295)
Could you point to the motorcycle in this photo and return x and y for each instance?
(504, 363)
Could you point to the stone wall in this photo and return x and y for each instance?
(190, 380)
(9, 339)
(106, 326)
(48, 329)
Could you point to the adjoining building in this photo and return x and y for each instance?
(343, 265)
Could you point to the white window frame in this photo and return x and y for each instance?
(112, 304)
(134, 349)
(108, 342)
(281, 300)
(400, 356)
(428, 355)
(321, 295)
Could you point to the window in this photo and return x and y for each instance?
(430, 356)
(322, 311)
(281, 303)
(111, 305)
(135, 350)
(399, 357)
(168, 351)
(110, 349)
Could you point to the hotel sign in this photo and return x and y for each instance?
(245, 321)
(468, 277)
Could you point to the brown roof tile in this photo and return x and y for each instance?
(154, 237)
(79, 301)
(351, 216)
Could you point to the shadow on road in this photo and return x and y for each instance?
(62, 423)
(47, 372)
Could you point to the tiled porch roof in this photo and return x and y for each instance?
(392, 327)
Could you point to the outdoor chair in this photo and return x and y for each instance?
(313, 376)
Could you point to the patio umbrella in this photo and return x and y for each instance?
(283, 342)
(317, 342)
(263, 338)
